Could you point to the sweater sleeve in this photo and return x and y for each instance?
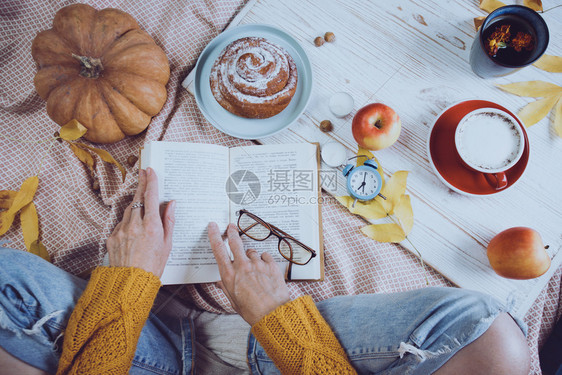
(103, 330)
(299, 341)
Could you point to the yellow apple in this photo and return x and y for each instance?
(518, 253)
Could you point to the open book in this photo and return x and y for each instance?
(278, 183)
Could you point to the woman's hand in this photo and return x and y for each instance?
(253, 284)
(143, 240)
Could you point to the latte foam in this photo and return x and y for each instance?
(489, 140)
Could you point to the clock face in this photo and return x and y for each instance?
(364, 183)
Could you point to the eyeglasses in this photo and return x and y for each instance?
(289, 247)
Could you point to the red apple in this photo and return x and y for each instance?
(518, 253)
(376, 126)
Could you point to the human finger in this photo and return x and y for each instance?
(117, 227)
(151, 204)
(267, 258)
(235, 243)
(252, 254)
(168, 221)
(219, 249)
(128, 214)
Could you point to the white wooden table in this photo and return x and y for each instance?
(413, 56)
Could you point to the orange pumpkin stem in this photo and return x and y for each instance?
(91, 66)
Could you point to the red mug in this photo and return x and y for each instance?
(490, 141)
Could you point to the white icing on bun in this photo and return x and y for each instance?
(254, 78)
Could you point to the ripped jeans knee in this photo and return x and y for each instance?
(36, 301)
(412, 332)
(42, 331)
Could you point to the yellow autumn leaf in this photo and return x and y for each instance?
(25, 194)
(346, 200)
(558, 118)
(7, 198)
(6, 221)
(535, 5)
(478, 21)
(371, 210)
(490, 5)
(23, 197)
(550, 63)
(84, 156)
(392, 190)
(29, 224)
(537, 110)
(403, 211)
(105, 156)
(39, 249)
(72, 130)
(535, 89)
(384, 232)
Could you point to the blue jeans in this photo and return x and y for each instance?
(412, 332)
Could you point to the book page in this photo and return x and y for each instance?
(194, 176)
(279, 183)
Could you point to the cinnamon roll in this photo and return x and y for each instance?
(254, 78)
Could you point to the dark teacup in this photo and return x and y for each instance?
(510, 38)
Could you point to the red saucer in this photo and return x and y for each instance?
(447, 162)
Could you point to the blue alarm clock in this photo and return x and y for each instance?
(363, 182)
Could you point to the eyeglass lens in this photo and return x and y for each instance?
(293, 251)
(253, 228)
(288, 248)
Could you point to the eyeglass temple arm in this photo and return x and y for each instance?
(285, 234)
(289, 272)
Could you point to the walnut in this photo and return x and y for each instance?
(318, 41)
(326, 126)
(329, 37)
(131, 160)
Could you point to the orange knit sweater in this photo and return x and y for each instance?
(299, 341)
(103, 330)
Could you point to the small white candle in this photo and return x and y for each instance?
(341, 104)
(333, 154)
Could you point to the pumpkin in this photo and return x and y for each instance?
(100, 68)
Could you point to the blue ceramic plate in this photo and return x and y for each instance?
(241, 127)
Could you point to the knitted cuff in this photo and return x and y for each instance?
(108, 317)
(124, 284)
(298, 340)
